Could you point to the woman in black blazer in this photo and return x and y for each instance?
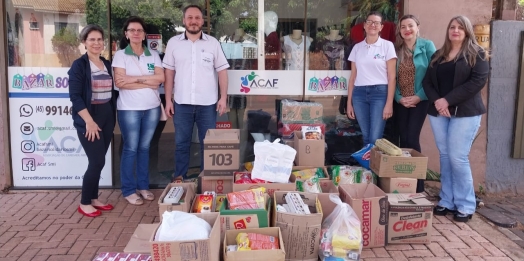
(453, 81)
(91, 92)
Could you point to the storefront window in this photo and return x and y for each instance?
(276, 49)
(42, 43)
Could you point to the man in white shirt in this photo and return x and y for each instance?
(192, 62)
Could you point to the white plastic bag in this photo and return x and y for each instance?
(181, 226)
(341, 237)
(273, 161)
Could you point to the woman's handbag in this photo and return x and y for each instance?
(163, 114)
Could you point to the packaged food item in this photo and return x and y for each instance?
(388, 147)
(244, 177)
(311, 133)
(248, 166)
(219, 202)
(247, 199)
(345, 174)
(204, 203)
(363, 155)
(254, 241)
(308, 173)
(340, 236)
(311, 185)
(406, 153)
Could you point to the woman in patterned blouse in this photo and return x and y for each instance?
(414, 54)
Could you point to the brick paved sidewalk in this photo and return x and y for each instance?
(45, 226)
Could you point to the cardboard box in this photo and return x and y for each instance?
(185, 201)
(370, 204)
(309, 152)
(328, 188)
(261, 255)
(326, 174)
(218, 184)
(221, 152)
(410, 219)
(244, 218)
(300, 232)
(270, 187)
(386, 166)
(301, 112)
(139, 242)
(398, 185)
(196, 250)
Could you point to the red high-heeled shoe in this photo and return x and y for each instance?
(106, 207)
(92, 214)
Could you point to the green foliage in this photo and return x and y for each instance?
(250, 25)
(65, 44)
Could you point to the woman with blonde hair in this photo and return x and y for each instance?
(411, 107)
(456, 75)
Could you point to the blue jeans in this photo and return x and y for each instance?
(137, 129)
(368, 104)
(205, 117)
(454, 137)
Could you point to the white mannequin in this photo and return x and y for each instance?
(296, 37)
(333, 35)
(293, 45)
(270, 22)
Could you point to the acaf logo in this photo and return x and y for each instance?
(252, 80)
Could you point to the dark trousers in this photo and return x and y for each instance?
(96, 150)
(409, 124)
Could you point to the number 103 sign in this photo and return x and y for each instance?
(221, 152)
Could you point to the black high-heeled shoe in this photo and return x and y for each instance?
(461, 217)
(442, 211)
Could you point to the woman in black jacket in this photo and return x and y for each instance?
(453, 81)
(91, 92)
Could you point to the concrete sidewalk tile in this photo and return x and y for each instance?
(419, 246)
(439, 239)
(18, 250)
(71, 220)
(418, 253)
(117, 219)
(398, 247)
(11, 244)
(136, 217)
(494, 258)
(45, 244)
(470, 233)
(437, 250)
(36, 239)
(79, 226)
(450, 236)
(123, 239)
(51, 230)
(44, 224)
(453, 245)
(89, 251)
(475, 258)
(126, 224)
(54, 251)
(492, 249)
(37, 219)
(40, 258)
(101, 243)
(90, 237)
(32, 233)
(379, 259)
(398, 256)
(104, 228)
(110, 249)
(367, 253)
(68, 241)
(5, 237)
(78, 247)
(380, 252)
(114, 233)
(471, 242)
(438, 259)
(16, 197)
(60, 235)
(64, 258)
(3, 253)
(96, 223)
(475, 251)
(29, 254)
(49, 197)
(442, 227)
(147, 220)
(456, 254)
(129, 230)
(80, 231)
(465, 226)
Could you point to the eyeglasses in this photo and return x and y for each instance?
(135, 31)
(375, 23)
(92, 40)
